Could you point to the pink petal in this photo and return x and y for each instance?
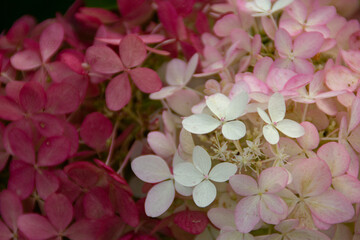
(53, 151)
(355, 114)
(146, 79)
(273, 180)
(132, 51)
(26, 60)
(97, 204)
(118, 92)
(292, 26)
(352, 59)
(9, 110)
(306, 45)
(310, 140)
(243, 185)
(50, 40)
(315, 169)
(82, 230)
(47, 124)
(84, 174)
(35, 226)
(321, 15)
(10, 208)
(63, 98)
(224, 26)
(193, 222)
(349, 186)
(298, 11)
(161, 144)
(46, 183)
(32, 97)
(336, 156)
(95, 130)
(71, 134)
(59, 211)
(348, 80)
(247, 214)
(330, 207)
(22, 179)
(183, 108)
(303, 66)
(159, 198)
(272, 209)
(126, 207)
(21, 145)
(269, 27)
(20, 29)
(283, 43)
(5, 233)
(278, 77)
(103, 59)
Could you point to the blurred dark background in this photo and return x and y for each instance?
(10, 10)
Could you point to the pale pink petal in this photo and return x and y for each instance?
(247, 214)
(10, 208)
(321, 16)
(287, 225)
(159, 198)
(310, 139)
(234, 130)
(349, 186)
(226, 24)
(354, 139)
(59, 211)
(103, 59)
(280, 4)
(175, 71)
(164, 92)
(237, 106)
(292, 26)
(268, 27)
(301, 234)
(244, 185)
(146, 79)
(161, 144)
(272, 209)
(118, 92)
(177, 104)
(303, 66)
(95, 130)
(336, 157)
(277, 107)
(352, 59)
(200, 123)
(222, 172)
(35, 226)
(271, 134)
(278, 77)
(283, 43)
(218, 103)
(32, 97)
(307, 44)
(298, 11)
(185, 191)
(221, 217)
(132, 51)
(273, 180)
(201, 159)
(262, 68)
(26, 60)
(348, 80)
(191, 68)
(290, 128)
(46, 183)
(193, 222)
(53, 151)
(50, 40)
(186, 174)
(150, 168)
(315, 169)
(204, 193)
(331, 207)
(355, 114)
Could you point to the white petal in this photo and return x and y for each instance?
(263, 115)
(185, 191)
(159, 198)
(280, 4)
(204, 193)
(237, 106)
(187, 175)
(164, 92)
(277, 107)
(202, 160)
(175, 71)
(234, 130)
(218, 104)
(290, 128)
(150, 168)
(191, 67)
(222, 172)
(200, 123)
(263, 4)
(271, 134)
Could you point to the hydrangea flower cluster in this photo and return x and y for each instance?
(186, 119)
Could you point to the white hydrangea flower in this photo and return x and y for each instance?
(198, 175)
(277, 110)
(264, 8)
(226, 111)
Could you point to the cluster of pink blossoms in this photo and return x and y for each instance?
(222, 119)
